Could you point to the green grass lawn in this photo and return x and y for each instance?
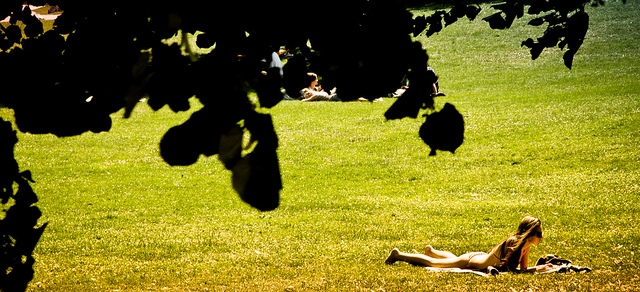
(541, 140)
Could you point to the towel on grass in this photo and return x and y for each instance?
(545, 265)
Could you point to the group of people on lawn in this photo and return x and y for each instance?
(314, 91)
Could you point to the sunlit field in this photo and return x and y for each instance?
(540, 139)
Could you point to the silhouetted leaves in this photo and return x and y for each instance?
(406, 106)
(200, 135)
(170, 80)
(13, 33)
(562, 31)
(496, 21)
(435, 22)
(256, 176)
(539, 7)
(472, 12)
(419, 25)
(568, 58)
(575, 32)
(459, 10)
(8, 165)
(449, 19)
(231, 147)
(103, 58)
(536, 50)
(33, 26)
(18, 233)
(418, 95)
(567, 22)
(443, 130)
(268, 88)
(551, 36)
(176, 147)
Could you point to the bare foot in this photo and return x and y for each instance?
(427, 250)
(392, 256)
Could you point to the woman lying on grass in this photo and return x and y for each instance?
(508, 255)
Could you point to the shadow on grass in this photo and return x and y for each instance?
(18, 232)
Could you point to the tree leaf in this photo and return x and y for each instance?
(576, 30)
(14, 33)
(419, 25)
(33, 27)
(435, 23)
(536, 50)
(568, 58)
(176, 147)
(551, 36)
(268, 88)
(257, 180)
(459, 10)
(443, 130)
(230, 149)
(472, 12)
(529, 43)
(449, 19)
(406, 106)
(496, 21)
(27, 175)
(256, 176)
(65, 23)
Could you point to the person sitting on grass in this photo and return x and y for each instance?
(507, 255)
(314, 92)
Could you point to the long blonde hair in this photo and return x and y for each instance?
(526, 229)
(527, 225)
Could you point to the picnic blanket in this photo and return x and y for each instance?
(545, 265)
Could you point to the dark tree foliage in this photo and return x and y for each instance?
(18, 232)
(104, 56)
(443, 130)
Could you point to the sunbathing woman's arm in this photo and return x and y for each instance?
(524, 259)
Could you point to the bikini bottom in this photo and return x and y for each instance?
(473, 254)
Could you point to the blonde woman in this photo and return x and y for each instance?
(509, 254)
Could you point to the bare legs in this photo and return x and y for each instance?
(439, 259)
(442, 259)
(439, 254)
(392, 258)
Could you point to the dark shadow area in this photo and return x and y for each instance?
(441, 4)
(19, 217)
(443, 130)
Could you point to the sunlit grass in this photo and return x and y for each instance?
(540, 140)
